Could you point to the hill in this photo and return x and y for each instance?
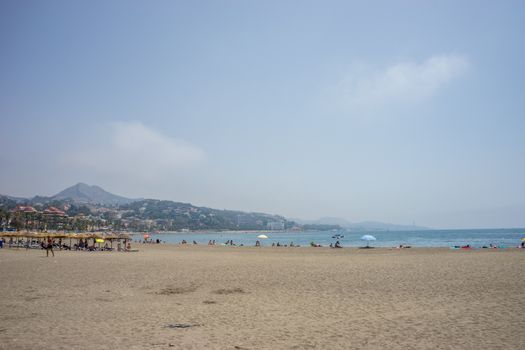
(94, 208)
(82, 193)
(106, 208)
(361, 226)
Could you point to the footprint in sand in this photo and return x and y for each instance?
(177, 290)
(229, 291)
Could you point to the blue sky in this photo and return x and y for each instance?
(404, 111)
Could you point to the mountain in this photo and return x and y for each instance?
(361, 226)
(83, 193)
(333, 221)
(171, 216)
(381, 226)
(99, 207)
(16, 199)
(175, 215)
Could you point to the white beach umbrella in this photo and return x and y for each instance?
(368, 238)
(262, 236)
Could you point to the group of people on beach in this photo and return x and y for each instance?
(46, 245)
(336, 245)
(150, 241)
(185, 242)
(231, 243)
(278, 244)
(82, 244)
(50, 245)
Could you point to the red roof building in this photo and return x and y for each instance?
(24, 209)
(52, 211)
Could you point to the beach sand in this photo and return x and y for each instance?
(262, 298)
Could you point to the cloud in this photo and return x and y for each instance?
(401, 83)
(133, 152)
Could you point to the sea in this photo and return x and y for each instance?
(476, 238)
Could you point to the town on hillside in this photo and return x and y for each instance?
(89, 208)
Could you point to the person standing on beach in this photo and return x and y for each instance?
(49, 247)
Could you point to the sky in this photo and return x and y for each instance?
(395, 111)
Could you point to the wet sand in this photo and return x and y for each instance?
(262, 298)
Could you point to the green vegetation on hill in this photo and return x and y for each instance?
(175, 216)
(140, 215)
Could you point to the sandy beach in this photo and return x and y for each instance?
(262, 298)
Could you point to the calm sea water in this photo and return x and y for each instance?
(427, 238)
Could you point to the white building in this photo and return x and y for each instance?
(276, 225)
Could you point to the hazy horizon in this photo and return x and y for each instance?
(394, 112)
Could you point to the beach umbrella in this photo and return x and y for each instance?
(39, 235)
(368, 238)
(93, 236)
(59, 235)
(111, 237)
(523, 239)
(262, 236)
(18, 235)
(71, 236)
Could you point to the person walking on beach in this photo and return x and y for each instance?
(49, 247)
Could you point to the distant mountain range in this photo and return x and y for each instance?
(360, 226)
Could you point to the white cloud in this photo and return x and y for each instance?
(405, 82)
(133, 153)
